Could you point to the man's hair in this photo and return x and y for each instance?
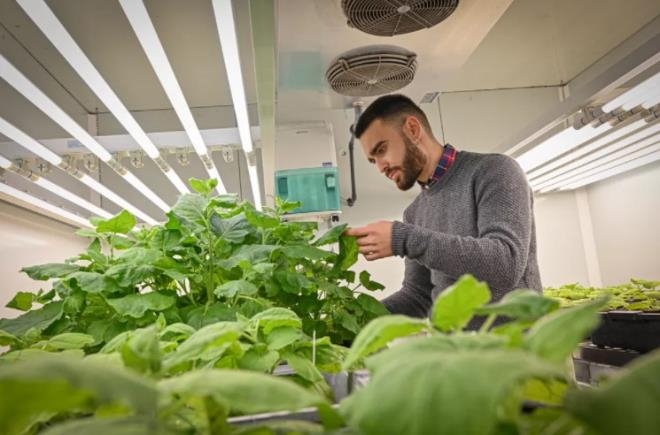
(390, 108)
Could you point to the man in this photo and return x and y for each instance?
(473, 215)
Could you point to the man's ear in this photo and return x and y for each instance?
(413, 128)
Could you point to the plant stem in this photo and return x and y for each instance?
(487, 324)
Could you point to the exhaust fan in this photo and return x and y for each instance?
(396, 17)
(372, 70)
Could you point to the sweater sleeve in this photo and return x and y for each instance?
(498, 255)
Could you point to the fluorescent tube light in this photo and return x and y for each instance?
(610, 137)
(145, 31)
(15, 78)
(44, 18)
(75, 199)
(633, 164)
(121, 202)
(39, 203)
(176, 180)
(634, 96)
(224, 18)
(4, 163)
(28, 143)
(35, 147)
(651, 99)
(139, 185)
(597, 160)
(558, 144)
(254, 181)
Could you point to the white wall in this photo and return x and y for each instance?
(625, 213)
(27, 239)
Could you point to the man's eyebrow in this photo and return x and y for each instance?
(375, 147)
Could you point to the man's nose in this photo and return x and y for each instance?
(381, 165)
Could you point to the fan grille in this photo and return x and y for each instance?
(396, 17)
(372, 71)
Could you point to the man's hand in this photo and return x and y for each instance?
(374, 240)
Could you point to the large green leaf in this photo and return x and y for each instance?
(191, 209)
(138, 256)
(348, 253)
(22, 301)
(205, 187)
(259, 358)
(205, 315)
(44, 272)
(379, 332)
(456, 305)
(129, 275)
(555, 336)
(331, 236)
(120, 224)
(283, 336)
(442, 393)
(365, 280)
(628, 404)
(275, 318)
(521, 304)
(210, 341)
(305, 252)
(252, 254)
(68, 340)
(138, 304)
(232, 288)
(371, 305)
(142, 350)
(233, 229)
(38, 319)
(67, 384)
(242, 391)
(110, 426)
(303, 367)
(261, 220)
(93, 282)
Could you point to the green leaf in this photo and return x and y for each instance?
(365, 280)
(95, 253)
(7, 339)
(482, 379)
(303, 367)
(205, 187)
(138, 256)
(38, 319)
(44, 272)
(249, 253)
(110, 426)
(521, 304)
(348, 253)
(331, 236)
(177, 332)
(232, 288)
(119, 224)
(261, 220)
(129, 275)
(284, 206)
(305, 251)
(69, 340)
(371, 305)
(275, 318)
(191, 208)
(92, 282)
(456, 305)
(136, 305)
(242, 391)
(555, 336)
(142, 350)
(66, 384)
(283, 336)
(628, 404)
(261, 360)
(202, 316)
(233, 229)
(22, 301)
(209, 341)
(379, 332)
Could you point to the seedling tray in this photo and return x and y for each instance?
(634, 330)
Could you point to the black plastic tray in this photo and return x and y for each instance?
(634, 330)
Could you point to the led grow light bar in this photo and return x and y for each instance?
(44, 18)
(46, 105)
(35, 147)
(140, 21)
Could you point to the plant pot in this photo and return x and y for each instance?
(634, 330)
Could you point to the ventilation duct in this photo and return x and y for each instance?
(372, 70)
(395, 17)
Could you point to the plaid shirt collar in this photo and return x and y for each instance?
(448, 158)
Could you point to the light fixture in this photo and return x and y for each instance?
(634, 96)
(44, 18)
(139, 20)
(612, 153)
(616, 170)
(35, 147)
(594, 151)
(224, 18)
(558, 144)
(46, 105)
(41, 204)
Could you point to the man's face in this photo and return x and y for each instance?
(393, 153)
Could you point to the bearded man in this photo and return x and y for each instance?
(474, 213)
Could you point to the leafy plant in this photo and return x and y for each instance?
(637, 295)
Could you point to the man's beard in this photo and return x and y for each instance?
(414, 161)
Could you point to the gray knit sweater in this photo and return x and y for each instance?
(478, 218)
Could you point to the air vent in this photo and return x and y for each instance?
(372, 70)
(395, 17)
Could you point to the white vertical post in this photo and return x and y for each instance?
(93, 129)
(588, 240)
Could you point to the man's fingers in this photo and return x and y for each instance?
(365, 240)
(367, 249)
(357, 232)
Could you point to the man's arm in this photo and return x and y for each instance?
(499, 254)
(414, 298)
